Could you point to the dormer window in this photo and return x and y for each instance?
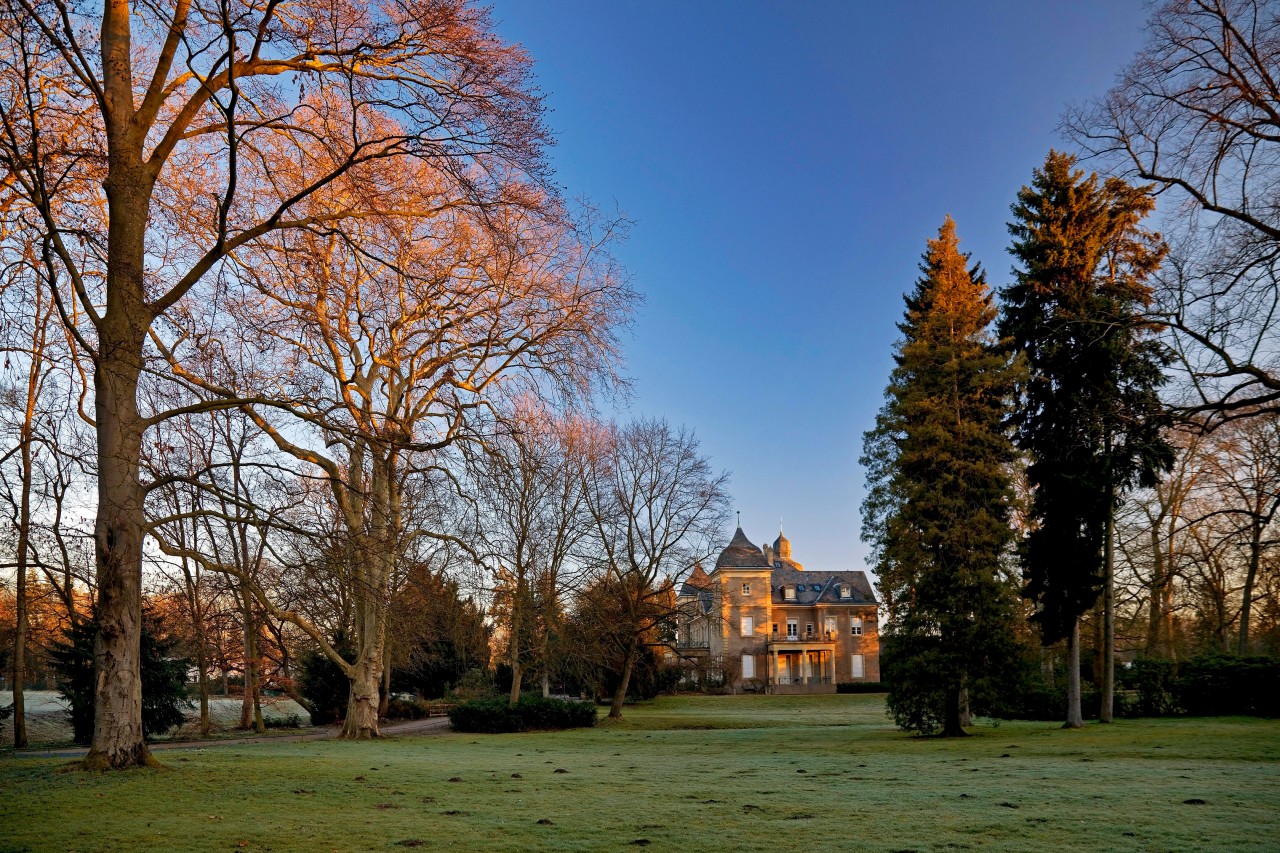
(846, 591)
(789, 593)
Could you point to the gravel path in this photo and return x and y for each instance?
(432, 725)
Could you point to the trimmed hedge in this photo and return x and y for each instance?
(862, 687)
(1216, 685)
(492, 716)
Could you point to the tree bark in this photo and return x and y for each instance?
(620, 694)
(362, 704)
(384, 696)
(1075, 719)
(117, 727)
(1108, 615)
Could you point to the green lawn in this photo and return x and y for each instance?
(688, 774)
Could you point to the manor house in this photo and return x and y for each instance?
(761, 621)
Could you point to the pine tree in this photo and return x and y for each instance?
(939, 465)
(1089, 416)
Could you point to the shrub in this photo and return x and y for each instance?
(408, 709)
(862, 687)
(324, 685)
(489, 716)
(290, 721)
(492, 716)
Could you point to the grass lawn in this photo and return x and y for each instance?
(689, 774)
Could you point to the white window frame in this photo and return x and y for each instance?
(857, 666)
(845, 591)
(746, 589)
(747, 626)
(793, 629)
(831, 624)
(789, 593)
(748, 665)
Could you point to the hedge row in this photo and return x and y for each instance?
(532, 712)
(862, 687)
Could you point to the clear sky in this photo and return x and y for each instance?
(784, 163)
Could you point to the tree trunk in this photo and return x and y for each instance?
(362, 705)
(966, 715)
(951, 726)
(1108, 616)
(202, 668)
(20, 634)
(1075, 719)
(117, 367)
(384, 696)
(1250, 578)
(117, 722)
(620, 694)
(20, 648)
(546, 684)
(250, 658)
(517, 619)
(366, 673)
(1155, 595)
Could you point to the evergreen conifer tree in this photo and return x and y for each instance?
(1089, 417)
(939, 465)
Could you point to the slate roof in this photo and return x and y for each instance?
(827, 583)
(697, 581)
(741, 554)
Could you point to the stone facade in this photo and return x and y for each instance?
(761, 621)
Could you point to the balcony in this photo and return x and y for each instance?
(806, 637)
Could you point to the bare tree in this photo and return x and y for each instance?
(1197, 112)
(529, 485)
(153, 142)
(656, 508)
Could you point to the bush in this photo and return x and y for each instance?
(408, 709)
(1216, 684)
(164, 695)
(474, 684)
(1149, 682)
(324, 685)
(862, 687)
(492, 716)
(291, 721)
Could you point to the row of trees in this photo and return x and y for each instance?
(303, 277)
(1039, 454)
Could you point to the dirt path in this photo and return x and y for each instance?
(431, 725)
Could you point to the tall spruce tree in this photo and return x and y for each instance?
(939, 466)
(1089, 415)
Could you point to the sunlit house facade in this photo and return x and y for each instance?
(761, 622)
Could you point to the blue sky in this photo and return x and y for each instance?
(784, 164)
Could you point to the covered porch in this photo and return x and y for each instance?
(800, 666)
